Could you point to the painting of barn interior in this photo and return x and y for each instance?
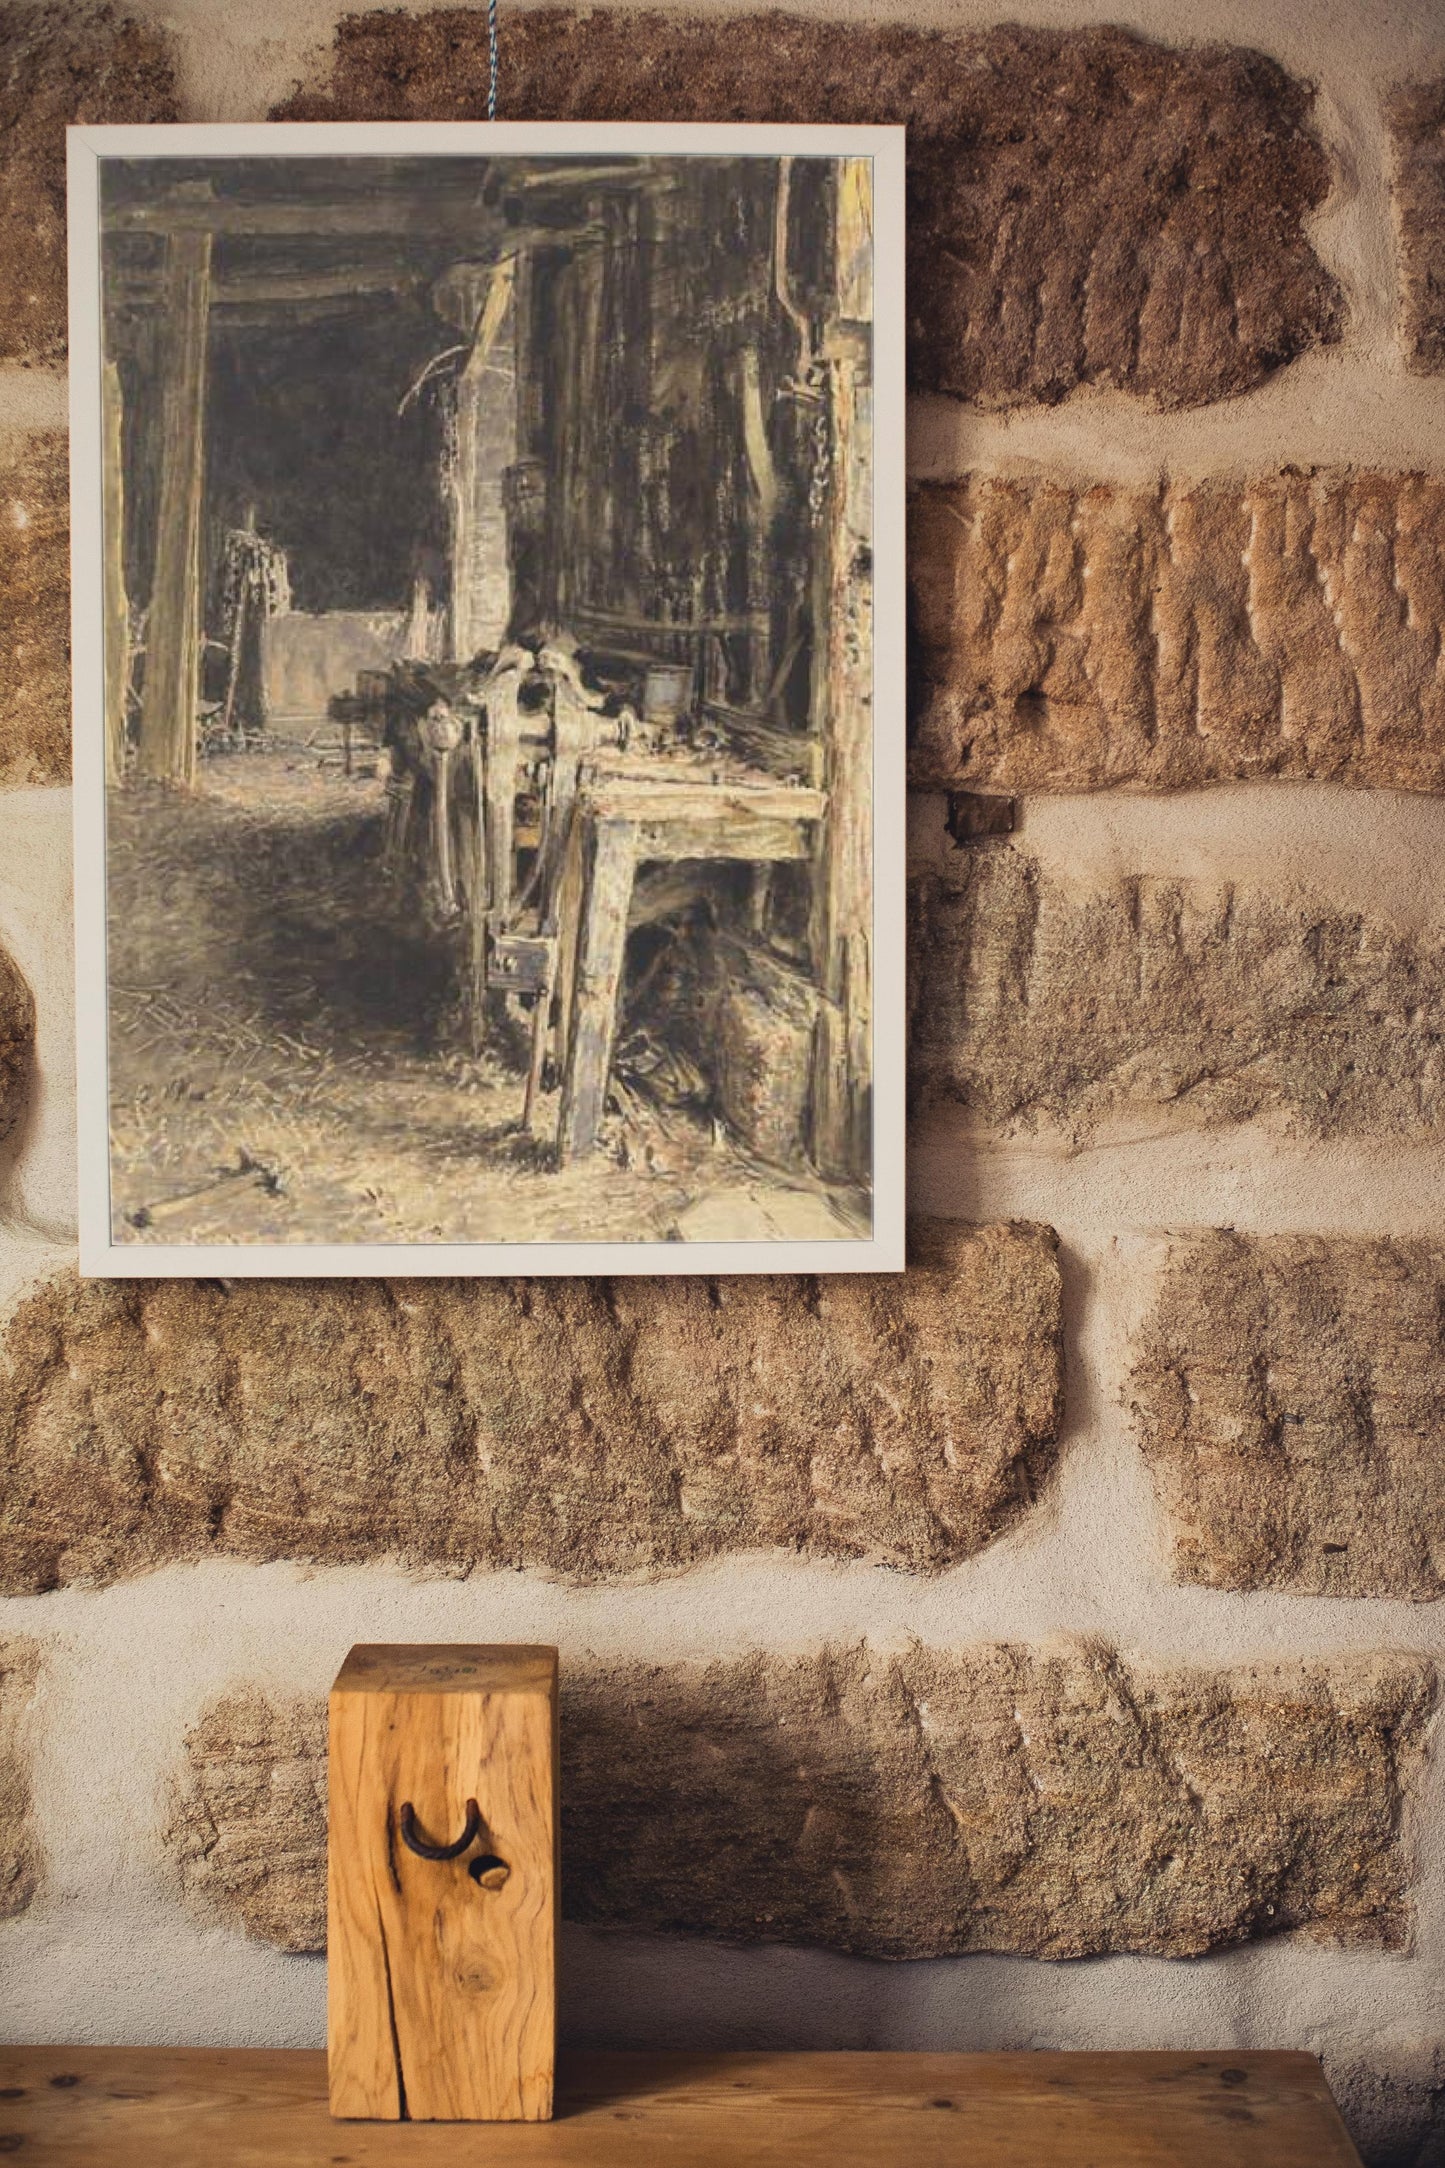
(489, 651)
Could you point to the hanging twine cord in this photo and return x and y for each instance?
(491, 59)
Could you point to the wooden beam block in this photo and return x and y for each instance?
(441, 1981)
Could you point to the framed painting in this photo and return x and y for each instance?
(489, 667)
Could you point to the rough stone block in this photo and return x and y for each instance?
(17, 1043)
(1290, 1395)
(1073, 638)
(19, 1846)
(248, 1817)
(60, 66)
(592, 1428)
(1050, 1802)
(1417, 119)
(34, 610)
(1043, 1006)
(1085, 207)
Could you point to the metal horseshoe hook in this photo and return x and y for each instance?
(423, 1850)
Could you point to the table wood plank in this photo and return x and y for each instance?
(266, 2108)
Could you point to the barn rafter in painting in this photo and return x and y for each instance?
(488, 561)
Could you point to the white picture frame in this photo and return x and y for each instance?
(110, 1246)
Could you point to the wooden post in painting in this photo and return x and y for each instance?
(842, 705)
(117, 615)
(167, 745)
(477, 298)
(611, 862)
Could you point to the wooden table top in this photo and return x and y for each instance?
(266, 2108)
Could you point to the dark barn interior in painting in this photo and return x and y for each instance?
(489, 698)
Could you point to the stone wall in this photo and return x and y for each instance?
(590, 1428)
(19, 1844)
(35, 644)
(1051, 1802)
(1073, 637)
(1078, 1595)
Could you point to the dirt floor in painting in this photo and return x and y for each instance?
(289, 1061)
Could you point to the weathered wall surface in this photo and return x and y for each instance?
(1290, 1391)
(1079, 1595)
(1041, 1004)
(20, 1857)
(35, 643)
(1417, 116)
(58, 66)
(590, 1428)
(1089, 238)
(1074, 637)
(1050, 1802)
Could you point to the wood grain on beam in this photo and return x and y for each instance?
(266, 2108)
(167, 747)
(441, 1979)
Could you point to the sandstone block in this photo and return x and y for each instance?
(1051, 1802)
(1085, 207)
(17, 1043)
(1417, 120)
(248, 1818)
(1076, 638)
(585, 1427)
(34, 611)
(1043, 1006)
(60, 65)
(19, 1846)
(1290, 1395)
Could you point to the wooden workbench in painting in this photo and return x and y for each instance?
(632, 814)
(266, 2108)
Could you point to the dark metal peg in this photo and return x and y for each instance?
(423, 1850)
